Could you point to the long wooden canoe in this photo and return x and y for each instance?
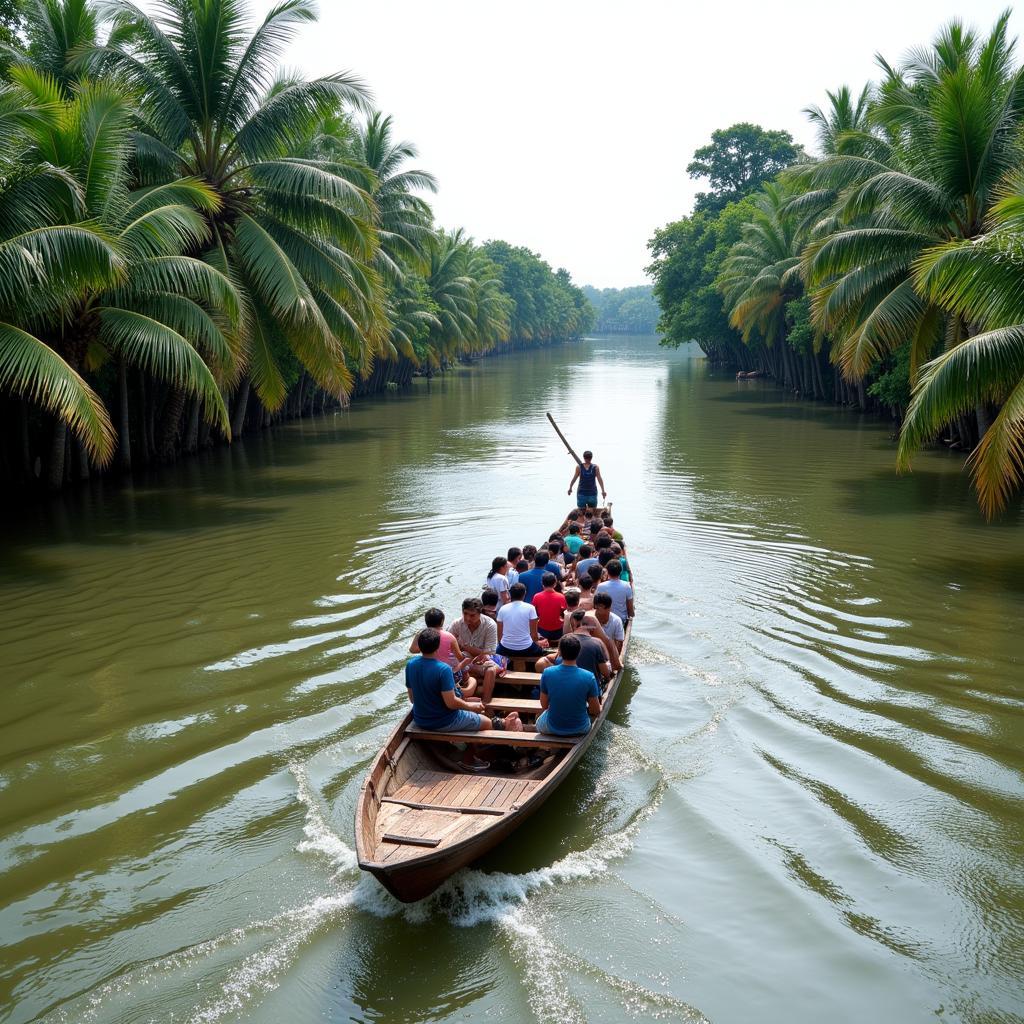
(421, 816)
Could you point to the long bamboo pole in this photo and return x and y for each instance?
(568, 447)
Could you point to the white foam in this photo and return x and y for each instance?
(320, 837)
(258, 973)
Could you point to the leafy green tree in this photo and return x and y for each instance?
(11, 21)
(738, 161)
(952, 115)
(154, 308)
(982, 281)
(843, 125)
(688, 257)
(761, 273)
(296, 235)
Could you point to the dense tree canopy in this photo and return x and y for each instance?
(894, 255)
(624, 310)
(192, 240)
(738, 161)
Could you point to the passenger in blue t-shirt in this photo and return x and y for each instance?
(431, 688)
(569, 694)
(534, 579)
(574, 541)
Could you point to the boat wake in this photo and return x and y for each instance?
(251, 962)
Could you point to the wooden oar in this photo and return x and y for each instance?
(568, 447)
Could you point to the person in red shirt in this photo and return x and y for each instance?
(551, 606)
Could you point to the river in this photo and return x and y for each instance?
(806, 805)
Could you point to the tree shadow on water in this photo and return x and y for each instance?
(885, 492)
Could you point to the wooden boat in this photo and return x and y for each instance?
(421, 816)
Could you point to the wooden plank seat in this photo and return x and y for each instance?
(520, 679)
(493, 736)
(515, 704)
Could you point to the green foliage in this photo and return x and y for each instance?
(546, 305)
(624, 310)
(892, 385)
(688, 257)
(738, 161)
(800, 333)
(11, 21)
(902, 241)
(169, 201)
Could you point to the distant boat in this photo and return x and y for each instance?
(421, 816)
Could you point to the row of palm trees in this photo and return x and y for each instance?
(190, 240)
(904, 237)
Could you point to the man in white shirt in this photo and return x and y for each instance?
(610, 622)
(517, 626)
(620, 593)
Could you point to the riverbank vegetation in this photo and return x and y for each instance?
(193, 242)
(885, 271)
(624, 310)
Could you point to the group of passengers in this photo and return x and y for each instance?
(565, 604)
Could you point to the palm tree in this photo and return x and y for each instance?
(159, 310)
(452, 295)
(295, 234)
(404, 219)
(761, 273)
(842, 126)
(982, 281)
(950, 118)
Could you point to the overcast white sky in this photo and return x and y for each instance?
(567, 126)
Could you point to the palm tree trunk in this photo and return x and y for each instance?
(124, 441)
(26, 441)
(241, 404)
(981, 413)
(192, 433)
(55, 469)
(166, 445)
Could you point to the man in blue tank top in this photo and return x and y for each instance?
(589, 475)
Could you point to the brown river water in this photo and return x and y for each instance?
(807, 805)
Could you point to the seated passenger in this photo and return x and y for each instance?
(517, 626)
(529, 553)
(569, 695)
(489, 600)
(610, 622)
(497, 579)
(574, 600)
(514, 554)
(533, 580)
(593, 654)
(621, 593)
(555, 552)
(586, 587)
(574, 541)
(448, 651)
(584, 559)
(550, 605)
(477, 637)
(431, 688)
(609, 525)
(617, 552)
(596, 574)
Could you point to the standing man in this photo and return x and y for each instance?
(589, 475)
